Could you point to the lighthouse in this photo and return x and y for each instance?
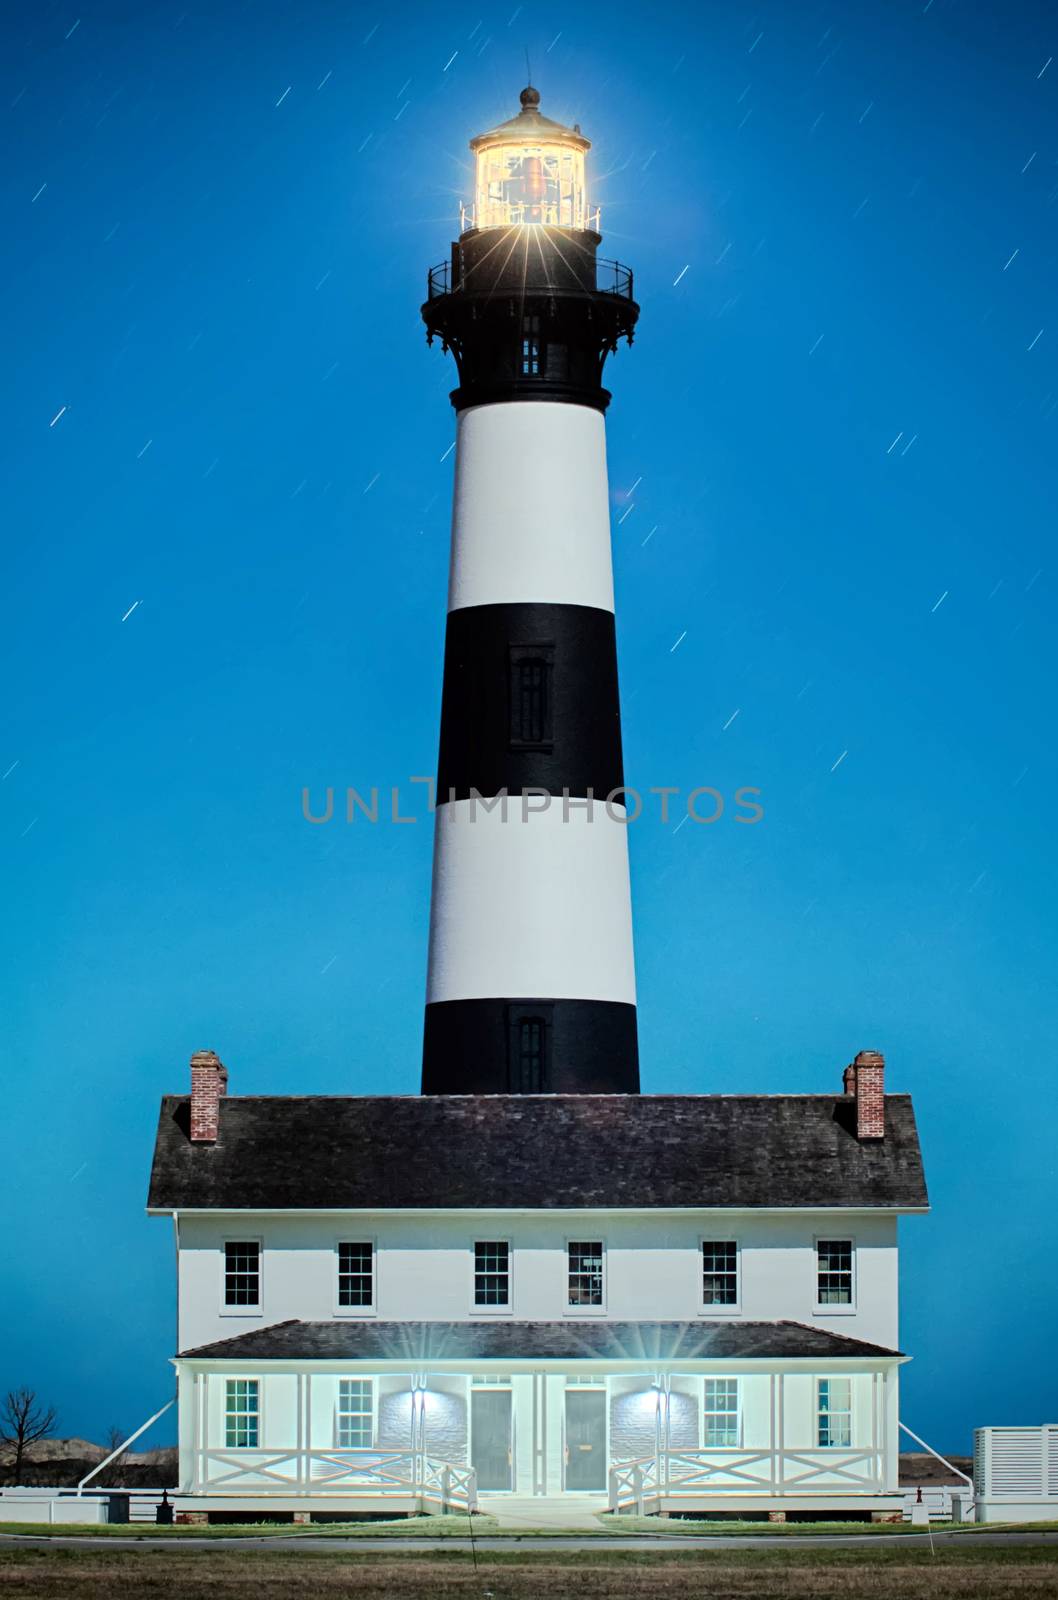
(531, 980)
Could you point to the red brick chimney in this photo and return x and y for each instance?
(865, 1081)
(209, 1080)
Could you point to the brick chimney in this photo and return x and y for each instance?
(209, 1080)
(865, 1081)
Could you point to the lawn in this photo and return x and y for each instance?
(785, 1572)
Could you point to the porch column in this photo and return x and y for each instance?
(308, 1429)
(667, 1436)
(196, 1430)
(204, 1433)
(299, 1409)
(888, 1431)
(780, 1417)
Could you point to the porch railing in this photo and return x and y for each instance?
(376, 1474)
(636, 1485)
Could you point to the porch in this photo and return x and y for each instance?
(633, 1434)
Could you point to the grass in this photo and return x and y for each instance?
(457, 1527)
(785, 1572)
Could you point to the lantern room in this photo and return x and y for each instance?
(530, 170)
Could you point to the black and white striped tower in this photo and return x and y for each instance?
(531, 985)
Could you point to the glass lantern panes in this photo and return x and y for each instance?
(530, 183)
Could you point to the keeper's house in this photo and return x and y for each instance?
(667, 1302)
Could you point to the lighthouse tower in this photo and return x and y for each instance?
(531, 985)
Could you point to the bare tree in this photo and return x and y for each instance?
(113, 1475)
(24, 1420)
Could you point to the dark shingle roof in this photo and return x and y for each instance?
(531, 1341)
(540, 1152)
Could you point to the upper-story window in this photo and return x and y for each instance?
(242, 1272)
(834, 1412)
(242, 1413)
(719, 1272)
(721, 1413)
(356, 1275)
(355, 1413)
(834, 1272)
(492, 1273)
(585, 1273)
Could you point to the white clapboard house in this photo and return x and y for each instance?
(532, 1279)
(673, 1302)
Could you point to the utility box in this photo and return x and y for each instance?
(1016, 1474)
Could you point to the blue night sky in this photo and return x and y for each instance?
(833, 464)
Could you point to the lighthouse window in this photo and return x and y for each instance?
(528, 1050)
(530, 696)
(530, 1054)
(531, 346)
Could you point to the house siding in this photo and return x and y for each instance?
(424, 1268)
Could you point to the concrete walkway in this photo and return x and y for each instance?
(532, 1513)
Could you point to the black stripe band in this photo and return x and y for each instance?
(530, 1046)
(530, 700)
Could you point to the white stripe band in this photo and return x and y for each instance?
(536, 906)
(531, 512)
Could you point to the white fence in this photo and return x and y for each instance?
(65, 1505)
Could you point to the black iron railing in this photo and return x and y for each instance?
(611, 277)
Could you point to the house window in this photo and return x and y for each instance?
(834, 1412)
(530, 696)
(585, 1273)
(242, 1273)
(719, 1272)
(242, 1413)
(492, 1272)
(528, 1048)
(834, 1272)
(491, 1380)
(721, 1413)
(356, 1275)
(531, 347)
(354, 1413)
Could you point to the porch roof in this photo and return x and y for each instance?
(536, 1152)
(421, 1342)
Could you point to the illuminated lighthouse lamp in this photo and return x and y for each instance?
(530, 170)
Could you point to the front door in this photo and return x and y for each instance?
(585, 1439)
(490, 1437)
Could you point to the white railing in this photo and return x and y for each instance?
(376, 1474)
(635, 1484)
